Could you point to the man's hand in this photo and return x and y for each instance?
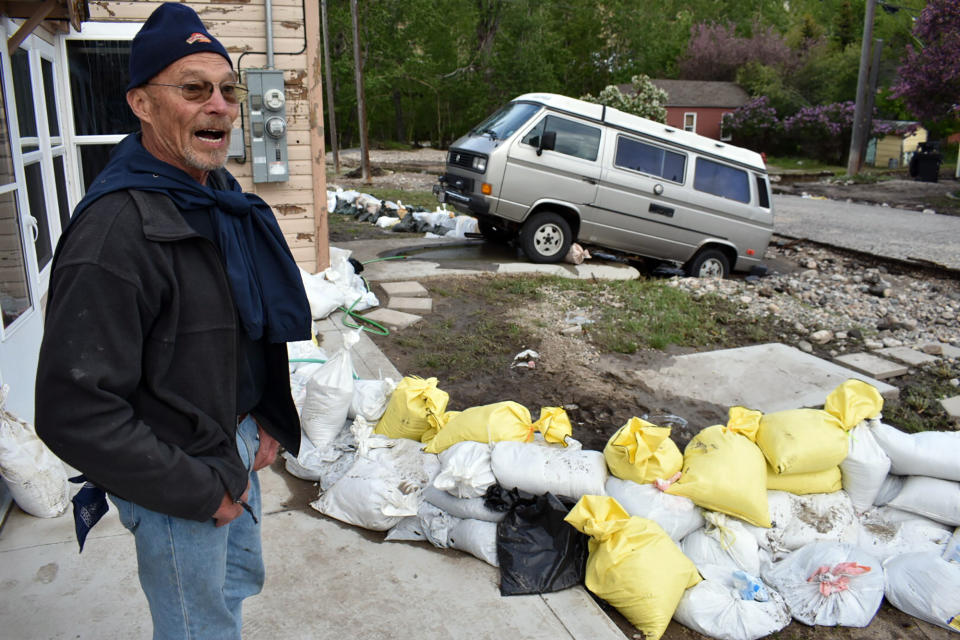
(267, 452)
(228, 511)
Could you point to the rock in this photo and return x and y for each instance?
(805, 346)
(572, 330)
(933, 349)
(955, 382)
(746, 299)
(855, 333)
(873, 344)
(880, 291)
(840, 335)
(892, 342)
(929, 211)
(821, 337)
(811, 264)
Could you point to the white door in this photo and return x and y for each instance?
(35, 207)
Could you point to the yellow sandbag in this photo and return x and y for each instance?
(802, 440)
(633, 564)
(487, 423)
(642, 452)
(803, 483)
(554, 424)
(853, 402)
(724, 470)
(411, 404)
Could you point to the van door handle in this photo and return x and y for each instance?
(588, 180)
(662, 210)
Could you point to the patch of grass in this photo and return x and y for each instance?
(793, 163)
(418, 198)
(918, 407)
(868, 177)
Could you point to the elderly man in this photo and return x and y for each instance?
(163, 371)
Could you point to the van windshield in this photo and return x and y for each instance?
(506, 120)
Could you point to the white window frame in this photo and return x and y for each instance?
(725, 136)
(121, 31)
(693, 127)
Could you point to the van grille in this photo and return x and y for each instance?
(460, 158)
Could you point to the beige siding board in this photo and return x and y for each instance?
(297, 167)
(208, 11)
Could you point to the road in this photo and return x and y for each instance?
(913, 236)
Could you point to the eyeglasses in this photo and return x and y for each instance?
(232, 92)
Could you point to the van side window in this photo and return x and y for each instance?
(646, 158)
(573, 138)
(763, 193)
(721, 180)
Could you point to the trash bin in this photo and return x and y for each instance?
(925, 163)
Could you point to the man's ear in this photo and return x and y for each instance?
(140, 103)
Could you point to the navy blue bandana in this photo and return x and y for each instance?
(266, 283)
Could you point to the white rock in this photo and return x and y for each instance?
(821, 337)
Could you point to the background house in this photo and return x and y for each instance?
(699, 105)
(63, 73)
(893, 151)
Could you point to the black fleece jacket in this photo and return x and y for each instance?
(137, 379)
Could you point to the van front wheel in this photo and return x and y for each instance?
(709, 263)
(546, 237)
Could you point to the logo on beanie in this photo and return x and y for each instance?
(197, 37)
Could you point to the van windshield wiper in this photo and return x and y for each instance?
(493, 134)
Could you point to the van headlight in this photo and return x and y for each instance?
(480, 163)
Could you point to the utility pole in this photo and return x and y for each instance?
(361, 101)
(857, 138)
(867, 124)
(332, 116)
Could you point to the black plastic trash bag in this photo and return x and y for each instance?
(538, 552)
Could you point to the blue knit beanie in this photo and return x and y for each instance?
(171, 32)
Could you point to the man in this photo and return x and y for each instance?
(163, 370)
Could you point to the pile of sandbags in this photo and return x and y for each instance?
(807, 515)
(399, 217)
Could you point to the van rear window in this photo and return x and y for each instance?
(721, 180)
(646, 158)
(762, 192)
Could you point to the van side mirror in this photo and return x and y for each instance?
(548, 142)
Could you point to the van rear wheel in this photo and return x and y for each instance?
(709, 263)
(545, 237)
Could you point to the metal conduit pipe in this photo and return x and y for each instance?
(268, 9)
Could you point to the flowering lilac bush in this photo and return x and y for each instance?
(755, 125)
(715, 52)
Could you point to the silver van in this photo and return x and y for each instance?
(550, 170)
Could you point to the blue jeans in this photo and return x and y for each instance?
(195, 575)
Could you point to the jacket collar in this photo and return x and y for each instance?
(162, 220)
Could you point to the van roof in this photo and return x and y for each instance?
(643, 126)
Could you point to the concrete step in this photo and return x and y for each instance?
(406, 289)
(413, 305)
(907, 356)
(392, 319)
(872, 365)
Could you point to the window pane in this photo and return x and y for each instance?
(14, 292)
(23, 92)
(63, 202)
(93, 158)
(98, 82)
(6, 157)
(762, 192)
(639, 156)
(38, 209)
(575, 139)
(721, 180)
(52, 120)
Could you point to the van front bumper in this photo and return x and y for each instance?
(469, 203)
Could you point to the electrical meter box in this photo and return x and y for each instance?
(268, 125)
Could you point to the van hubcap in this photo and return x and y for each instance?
(548, 239)
(711, 268)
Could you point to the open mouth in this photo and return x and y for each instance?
(211, 135)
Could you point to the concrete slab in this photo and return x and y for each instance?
(407, 289)
(766, 377)
(952, 406)
(907, 355)
(949, 351)
(578, 272)
(393, 320)
(413, 305)
(872, 365)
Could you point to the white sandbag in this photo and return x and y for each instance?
(407, 530)
(324, 296)
(464, 225)
(476, 537)
(539, 468)
(929, 453)
(353, 289)
(329, 394)
(36, 478)
(678, 515)
(431, 524)
(892, 485)
(465, 470)
(925, 586)
(886, 532)
(951, 552)
(370, 398)
(930, 497)
(829, 584)
(324, 465)
(379, 489)
(865, 467)
(716, 608)
(385, 222)
(799, 520)
(472, 508)
(724, 541)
